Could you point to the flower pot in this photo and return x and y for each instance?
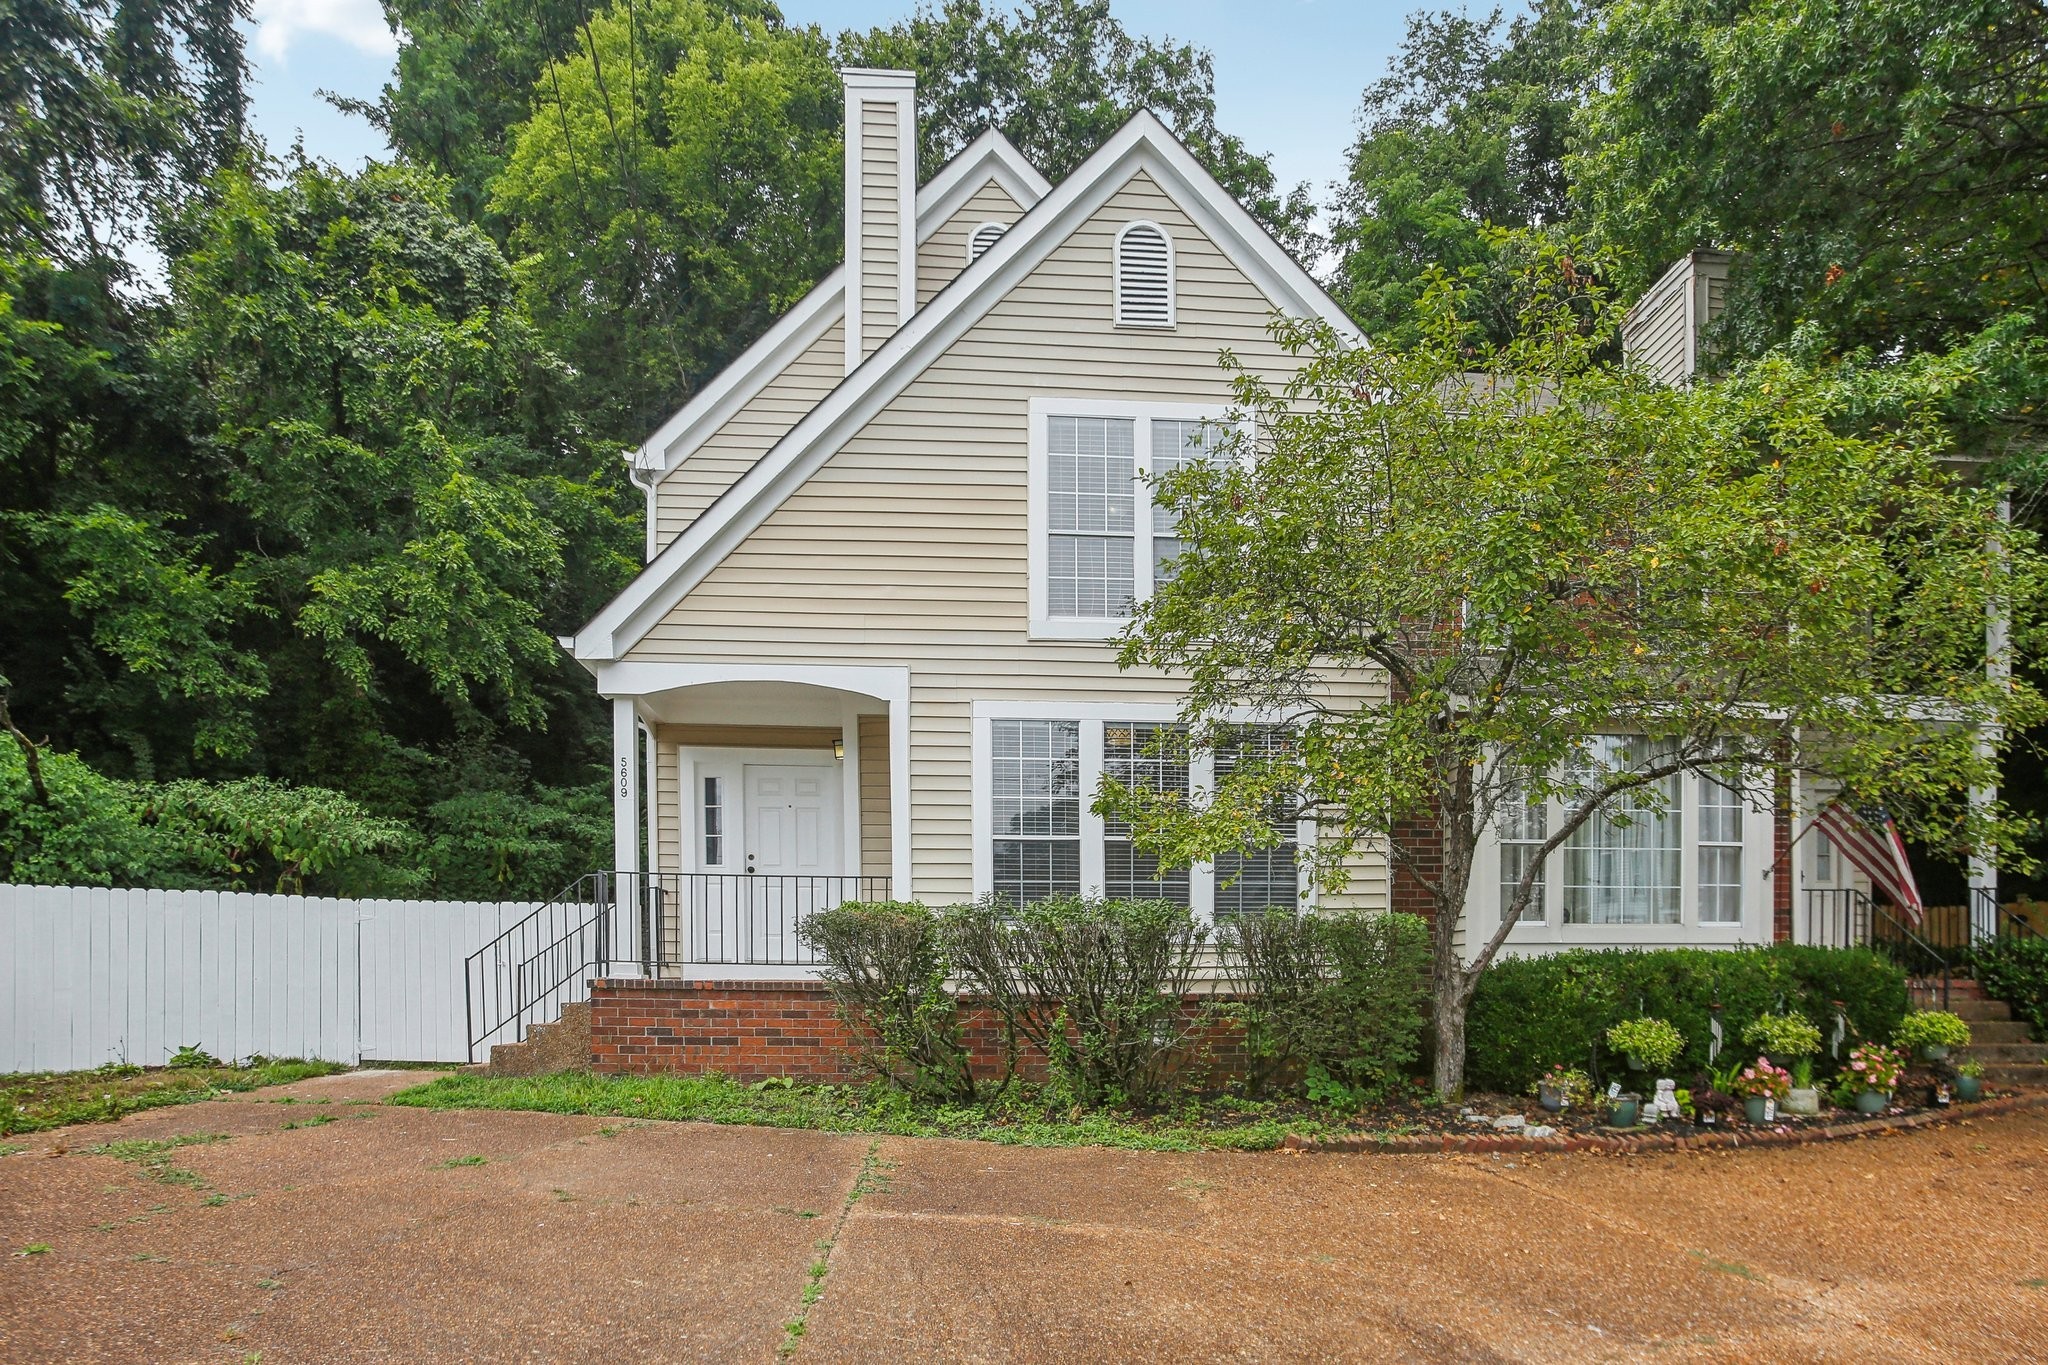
(1756, 1108)
(1550, 1098)
(1969, 1089)
(1872, 1101)
(1799, 1101)
(1623, 1113)
(1934, 1052)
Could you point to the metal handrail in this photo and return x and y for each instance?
(1845, 917)
(2004, 920)
(530, 971)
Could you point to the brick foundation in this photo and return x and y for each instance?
(751, 1030)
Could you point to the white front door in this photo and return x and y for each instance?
(792, 850)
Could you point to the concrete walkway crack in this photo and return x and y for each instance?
(872, 1178)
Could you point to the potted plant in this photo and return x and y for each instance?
(1624, 1109)
(1931, 1033)
(1871, 1076)
(1763, 1088)
(1563, 1086)
(1649, 1044)
(1970, 1081)
(1804, 1096)
(1784, 1038)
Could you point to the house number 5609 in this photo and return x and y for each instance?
(625, 778)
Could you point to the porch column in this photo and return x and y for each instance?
(900, 887)
(625, 786)
(1998, 668)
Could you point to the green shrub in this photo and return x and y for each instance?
(1530, 1013)
(2015, 970)
(1783, 1035)
(1652, 1043)
(1343, 995)
(886, 965)
(1097, 985)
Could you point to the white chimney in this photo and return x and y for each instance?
(881, 198)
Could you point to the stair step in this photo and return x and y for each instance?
(1984, 1031)
(1990, 1053)
(1973, 1010)
(2017, 1074)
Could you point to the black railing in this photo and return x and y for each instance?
(1846, 918)
(642, 924)
(1986, 909)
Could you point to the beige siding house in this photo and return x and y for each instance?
(889, 549)
(872, 653)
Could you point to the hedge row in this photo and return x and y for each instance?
(1534, 1012)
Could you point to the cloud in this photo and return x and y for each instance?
(281, 24)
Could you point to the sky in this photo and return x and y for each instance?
(1288, 72)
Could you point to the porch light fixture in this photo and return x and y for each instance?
(839, 748)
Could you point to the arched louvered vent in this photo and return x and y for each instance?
(984, 237)
(1144, 277)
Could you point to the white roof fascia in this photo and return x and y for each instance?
(989, 157)
(1143, 144)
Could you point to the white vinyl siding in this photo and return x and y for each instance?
(881, 241)
(910, 546)
(944, 254)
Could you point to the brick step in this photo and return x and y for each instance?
(1990, 1053)
(1973, 1010)
(2030, 1075)
(1999, 1031)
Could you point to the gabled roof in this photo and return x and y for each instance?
(989, 157)
(1142, 144)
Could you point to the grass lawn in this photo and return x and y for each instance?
(1021, 1117)
(30, 1103)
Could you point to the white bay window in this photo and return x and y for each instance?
(1679, 861)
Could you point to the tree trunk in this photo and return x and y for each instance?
(1447, 1010)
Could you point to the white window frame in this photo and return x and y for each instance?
(1043, 624)
(1483, 895)
(1091, 717)
(1172, 278)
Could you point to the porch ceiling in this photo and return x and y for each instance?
(755, 703)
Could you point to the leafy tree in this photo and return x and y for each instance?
(109, 108)
(1058, 78)
(1536, 551)
(1464, 135)
(1881, 167)
(677, 187)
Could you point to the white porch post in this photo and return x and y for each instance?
(1998, 668)
(900, 887)
(849, 787)
(625, 786)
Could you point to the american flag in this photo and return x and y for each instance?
(1871, 843)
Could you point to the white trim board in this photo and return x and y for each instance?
(989, 157)
(1144, 144)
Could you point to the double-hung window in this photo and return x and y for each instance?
(1037, 835)
(1098, 546)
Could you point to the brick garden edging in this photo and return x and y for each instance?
(1623, 1144)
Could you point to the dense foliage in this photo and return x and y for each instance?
(1530, 1013)
(887, 966)
(2015, 969)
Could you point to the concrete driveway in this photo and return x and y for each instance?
(369, 1237)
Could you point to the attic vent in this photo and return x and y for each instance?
(984, 237)
(1144, 277)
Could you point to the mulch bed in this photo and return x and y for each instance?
(1447, 1130)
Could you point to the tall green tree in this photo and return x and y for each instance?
(1466, 134)
(677, 187)
(1057, 77)
(1536, 552)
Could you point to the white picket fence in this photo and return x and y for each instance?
(90, 975)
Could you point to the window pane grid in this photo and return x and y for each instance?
(1524, 825)
(1622, 866)
(1130, 755)
(1720, 853)
(1036, 804)
(714, 822)
(1257, 879)
(1091, 514)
